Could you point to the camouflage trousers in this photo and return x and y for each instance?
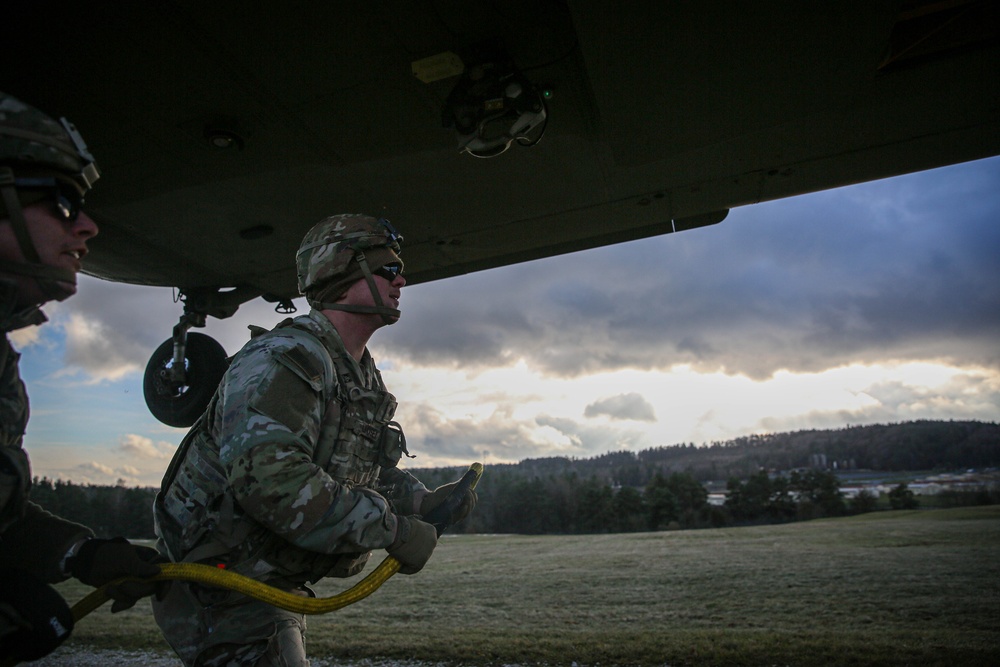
(209, 627)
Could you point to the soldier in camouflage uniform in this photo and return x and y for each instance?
(45, 170)
(290, 475)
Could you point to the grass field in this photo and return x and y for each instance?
(890, 588)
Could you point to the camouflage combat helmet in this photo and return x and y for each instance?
(40, 158)
(31, 139)
(342, 249)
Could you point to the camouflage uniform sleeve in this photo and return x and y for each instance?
(270, 414)
(30, 538)
(38, 541)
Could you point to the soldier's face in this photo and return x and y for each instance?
(390, 289)
(59, 242)
(359, 294)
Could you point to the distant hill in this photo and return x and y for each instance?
(621, 491)
(907, 446)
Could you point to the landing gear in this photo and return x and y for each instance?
(185, 370)
(202, 364)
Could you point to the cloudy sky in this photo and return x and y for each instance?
(874, 303)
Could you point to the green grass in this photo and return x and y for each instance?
(890, 588)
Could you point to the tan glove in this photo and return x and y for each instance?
(437, 496)
(414, 543)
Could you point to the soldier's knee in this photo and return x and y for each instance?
(286, 649)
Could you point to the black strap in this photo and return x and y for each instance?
(379, 308)
(32, 266)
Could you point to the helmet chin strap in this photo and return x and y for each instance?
(47, 277)
(389, 315)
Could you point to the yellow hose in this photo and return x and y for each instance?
(213, 576)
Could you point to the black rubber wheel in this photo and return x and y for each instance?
(206, 362)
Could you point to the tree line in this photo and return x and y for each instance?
(108, 510)
(556, 505)
(657, 489)
(918, 445)
(572, 505)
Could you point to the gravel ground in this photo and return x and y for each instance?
(77, 657)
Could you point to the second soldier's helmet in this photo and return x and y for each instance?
(342, 249)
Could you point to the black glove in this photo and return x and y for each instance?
(34, 619)
(461, 510)
(101, 561)
(414, 543)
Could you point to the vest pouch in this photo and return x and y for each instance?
(349, 565)
(358, 450)
(393, 445)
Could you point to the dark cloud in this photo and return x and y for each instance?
(119, 325)
(624, 406)
(143, 316)
(902, 269)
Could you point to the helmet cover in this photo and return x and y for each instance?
(329, 248)
(33, 140)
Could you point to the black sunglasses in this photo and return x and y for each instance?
(67, 199)
(389, 271)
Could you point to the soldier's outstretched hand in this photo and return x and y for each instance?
(434, 498)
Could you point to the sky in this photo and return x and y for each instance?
(874, 303)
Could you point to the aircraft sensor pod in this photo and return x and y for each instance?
(493, 106)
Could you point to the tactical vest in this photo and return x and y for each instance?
(197, 518)
(15, 473)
